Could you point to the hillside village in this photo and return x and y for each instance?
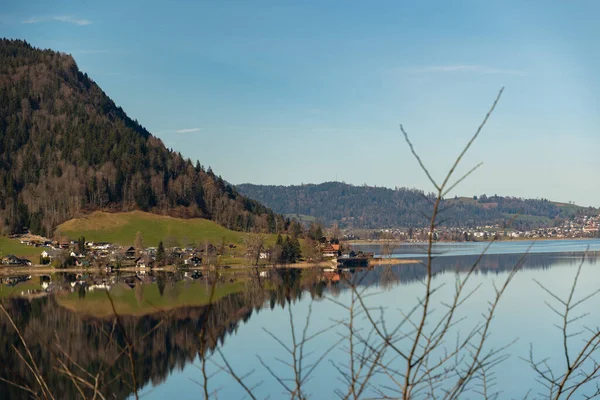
(71, 253)
(82, 254)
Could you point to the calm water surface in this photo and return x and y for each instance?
(165, 315)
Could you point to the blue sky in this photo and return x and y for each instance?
(305, 92)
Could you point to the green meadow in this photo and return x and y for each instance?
(121, 228)
(14, 246)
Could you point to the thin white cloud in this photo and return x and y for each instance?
(32, 21)
(72, 20)
(466, 68)
(191, 130)
(61, 18)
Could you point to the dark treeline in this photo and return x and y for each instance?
(66, 148)
(379, 207)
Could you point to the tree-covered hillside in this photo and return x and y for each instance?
(378, 207)
(66, 148)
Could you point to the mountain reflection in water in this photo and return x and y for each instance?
(169, 318)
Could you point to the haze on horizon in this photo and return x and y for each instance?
(290, 93)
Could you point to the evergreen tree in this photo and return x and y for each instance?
(81, 245)
(290, 250)
(160, 254)
(295, 250)
(285, 251)
(319, 233)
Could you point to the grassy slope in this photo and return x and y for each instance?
(121, 228)
(13, 246)
(569, 209)
(529, 218)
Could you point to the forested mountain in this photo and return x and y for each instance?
(66, 148)
(379, 207)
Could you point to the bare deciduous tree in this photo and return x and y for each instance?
(388, 244)
(255, 245)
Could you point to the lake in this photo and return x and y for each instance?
(177, 331)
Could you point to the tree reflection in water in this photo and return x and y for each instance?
(167, 338)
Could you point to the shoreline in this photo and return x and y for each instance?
(38, 269)
(392, 261)
(45, 270)
(398, 242)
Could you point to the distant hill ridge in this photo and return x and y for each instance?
(379, 207)
(67, 149)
